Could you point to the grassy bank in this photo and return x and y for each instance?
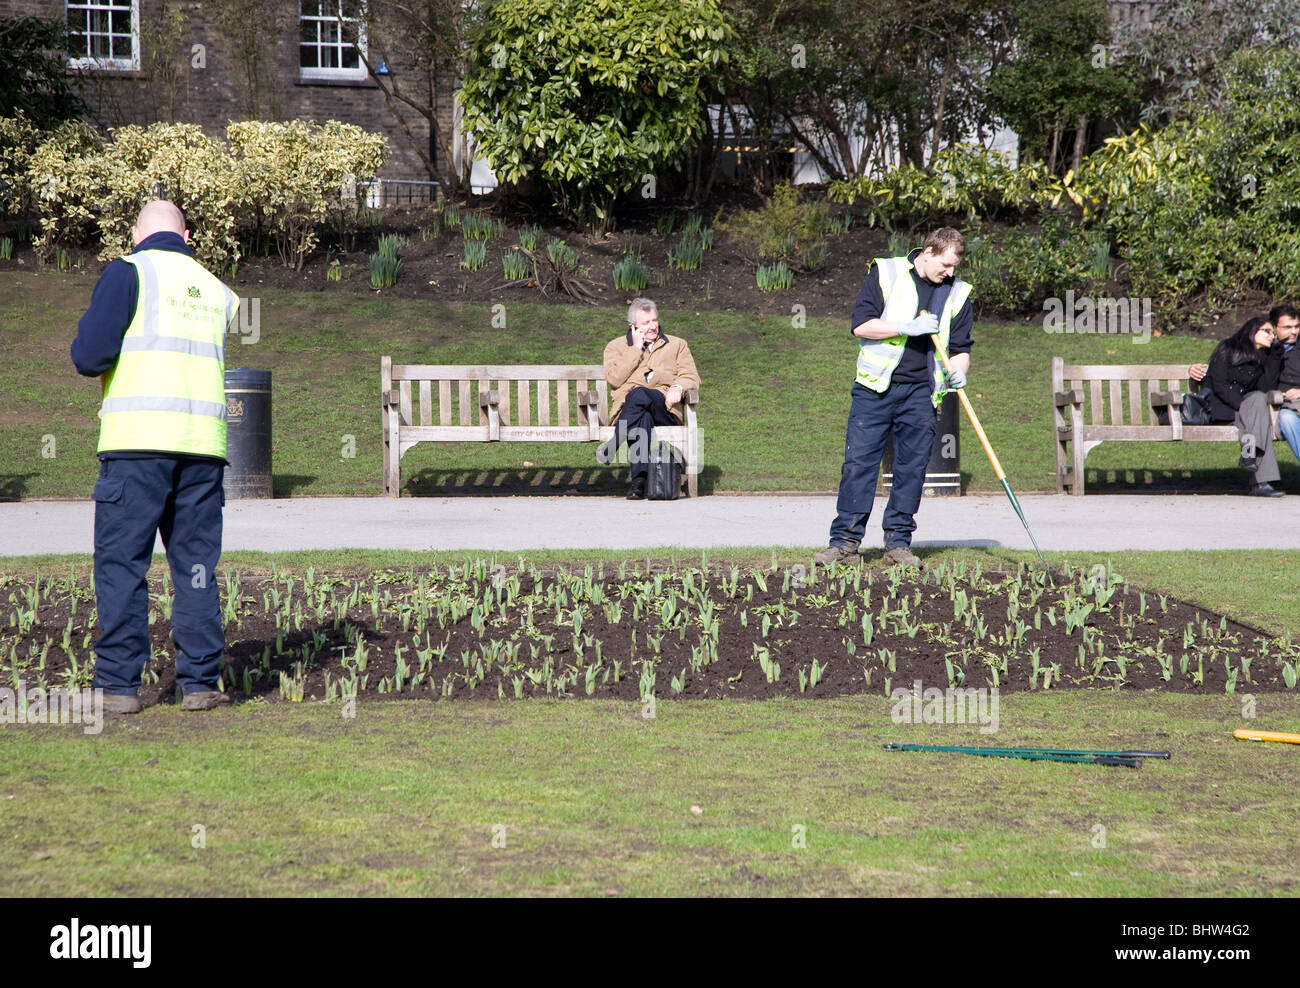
(774, 397)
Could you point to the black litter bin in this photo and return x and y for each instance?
(943, 472)
(248, 433)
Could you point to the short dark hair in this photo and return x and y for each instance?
(1284, 309)
(942, 239)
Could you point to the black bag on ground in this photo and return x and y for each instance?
(664, 482)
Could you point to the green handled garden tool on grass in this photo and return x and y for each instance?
(1125, 759)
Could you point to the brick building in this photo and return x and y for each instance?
(211, 62)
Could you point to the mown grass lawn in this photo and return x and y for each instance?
(593, 798)
(773, 402)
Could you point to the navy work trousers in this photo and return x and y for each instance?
(181, 500)
(643, 409)
(907, 411)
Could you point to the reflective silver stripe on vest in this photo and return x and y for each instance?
(172, 344)
(186, 406)
(149, 296)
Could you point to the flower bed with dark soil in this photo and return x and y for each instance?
(481, 631)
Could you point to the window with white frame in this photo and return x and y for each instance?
(104, 34)
(331, 36)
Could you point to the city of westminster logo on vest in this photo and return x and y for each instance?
(193, 292)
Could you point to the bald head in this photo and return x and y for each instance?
(159, 216)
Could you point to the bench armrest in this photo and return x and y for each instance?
(488, 399)
(390, 398)
(1161, 398)
(1072, 397)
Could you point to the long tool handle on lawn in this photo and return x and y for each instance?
(1246, 734)
(1026, 754)
(988, 449)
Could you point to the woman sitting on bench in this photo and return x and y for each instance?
(1243, 368)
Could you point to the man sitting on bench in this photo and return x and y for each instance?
(649, 372)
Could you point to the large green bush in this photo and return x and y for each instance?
(1015, 269)
(963, 179)
(589, 96)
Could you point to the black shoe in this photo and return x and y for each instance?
(1266, 490)
(636, 491)
(1250, 463)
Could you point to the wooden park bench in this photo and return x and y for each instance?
(502, 403)
(1097, 403)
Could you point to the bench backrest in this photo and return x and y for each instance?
(547, 395)
(1116, 394)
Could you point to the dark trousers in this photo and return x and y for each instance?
(134, 501)
(907, 411)
(643, 409)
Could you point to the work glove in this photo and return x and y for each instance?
(954, 379)
(923, 325)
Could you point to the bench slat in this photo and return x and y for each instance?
(523, 413)
(562, 402)
(506, 415)
(426, 403)
(1139, 413)
(1116, 403)
(405, 400)
(1094, 406)
(444, 403)
(464, 403)
(544, 403)
(506, 372)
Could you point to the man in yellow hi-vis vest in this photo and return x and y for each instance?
(155, 333)
(898, 388)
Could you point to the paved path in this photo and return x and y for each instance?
(1098, 522)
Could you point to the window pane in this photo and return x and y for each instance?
(121, 22)
(120, 3)
(329, 32)
(307, 57)
(76, 22)
(99, 45)
(329, 58)
(121, 46)
(350, 58)
(307, 31)
(99, 21)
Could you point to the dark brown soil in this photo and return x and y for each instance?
(476, 632)
(725, 281)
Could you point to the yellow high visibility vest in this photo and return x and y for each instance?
(167, 391)
(877, 359)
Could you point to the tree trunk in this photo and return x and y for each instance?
(1080, 140)
(938, 111)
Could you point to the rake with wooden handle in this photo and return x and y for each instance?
(979, 431)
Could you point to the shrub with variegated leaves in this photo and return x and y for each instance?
(295, 176)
